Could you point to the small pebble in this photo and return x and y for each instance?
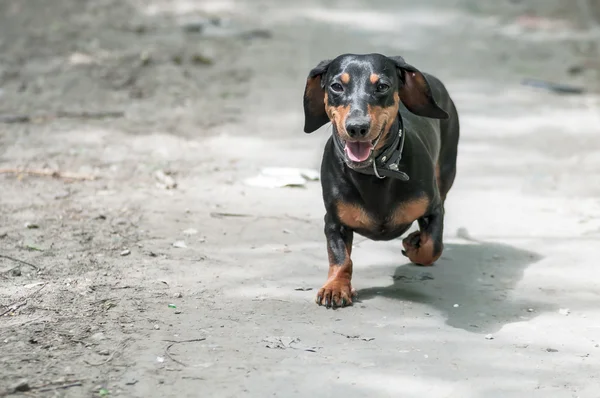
(146, 58)
(564, 311)
(21, 386)
(551, 350)
(160, 359)
(70, 256)
(575, 70)
(530, 310)
(179, 244)
(201, 59)
(177, 312)
(456, 305)
(195, 26)
(190, 231)
(125, 252)
(489, 337)
(31, 226)
(104, 352)
(156, 327)
(178, 295)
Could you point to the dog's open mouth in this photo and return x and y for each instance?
(358, 151)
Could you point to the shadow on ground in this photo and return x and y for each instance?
(479, 276)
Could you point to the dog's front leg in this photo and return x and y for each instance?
(337, 291)
(425, 246)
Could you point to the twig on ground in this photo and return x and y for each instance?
(215, 214)
(347, 335)
(173, 342)
(110, 358)
(13, 307)
(270, 299)
(90, 115)
(287, 216)
(18, 304)
(24, 387)
(26, 118)
(59, 387)
(242, 215)
(16, 260)
(49, 173)
(355, 336)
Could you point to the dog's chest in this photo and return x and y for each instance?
(378, 221)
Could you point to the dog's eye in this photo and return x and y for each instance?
(336, 88)
(382, 87)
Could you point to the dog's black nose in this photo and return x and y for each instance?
(357, 128)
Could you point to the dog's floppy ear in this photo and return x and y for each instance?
(415, 91)
(314, 98)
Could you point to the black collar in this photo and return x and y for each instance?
(387, 163)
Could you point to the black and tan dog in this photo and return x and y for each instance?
(390, 161)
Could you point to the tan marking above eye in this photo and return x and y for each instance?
(345, 78)
(374, 78)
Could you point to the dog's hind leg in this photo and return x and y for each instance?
(425, 246)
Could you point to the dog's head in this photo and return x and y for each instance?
(360, 95)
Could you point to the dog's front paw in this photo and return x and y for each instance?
(336, 292)
(419, 248)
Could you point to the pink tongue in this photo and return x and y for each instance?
(358, 151)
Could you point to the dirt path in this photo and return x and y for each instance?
(207, 289)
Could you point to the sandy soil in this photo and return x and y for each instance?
(111, 305)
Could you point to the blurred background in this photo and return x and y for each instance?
(134, 137)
